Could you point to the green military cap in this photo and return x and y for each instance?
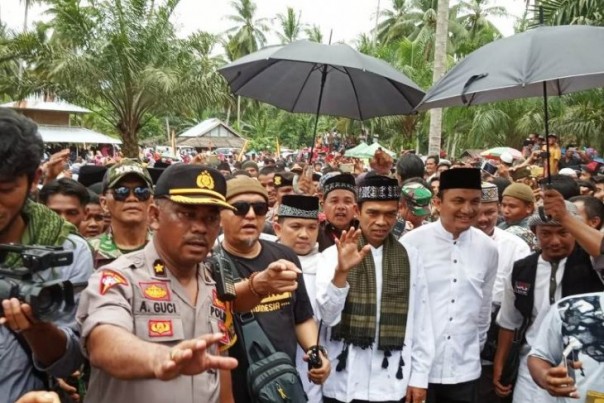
(126, 167)
(418, 198)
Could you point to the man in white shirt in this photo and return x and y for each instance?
(576, 321)
(535, 283)
(298, 228)
(461, 266)
(510, 248)
(372, 292)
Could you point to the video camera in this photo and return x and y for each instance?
(48, 299)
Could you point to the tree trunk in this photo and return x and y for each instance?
(440, 57)
(129, 134)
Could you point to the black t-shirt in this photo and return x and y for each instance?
(278, 315)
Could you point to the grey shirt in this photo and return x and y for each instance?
(16, 371)
(139, 294)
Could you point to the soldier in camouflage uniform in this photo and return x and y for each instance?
(126, 195)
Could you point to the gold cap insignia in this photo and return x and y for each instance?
(277, 181)
(205, 180)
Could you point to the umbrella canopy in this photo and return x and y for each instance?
(495, 153)
(335, 80)
(368, 151)
(558, 60)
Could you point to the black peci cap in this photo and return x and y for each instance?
(299, 206)
(378, 188)
(460, 178)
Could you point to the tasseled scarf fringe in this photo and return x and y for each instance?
(342, 358)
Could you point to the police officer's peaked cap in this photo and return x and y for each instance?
(193, 184)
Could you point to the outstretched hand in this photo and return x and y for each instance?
(191, 357)
(349, 254)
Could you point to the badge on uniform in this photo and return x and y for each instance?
(156, 291)
(110, 278)
(160, 328)
(159, 268)
(521, 288)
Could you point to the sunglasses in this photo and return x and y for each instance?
(242, 208)
(121, 193)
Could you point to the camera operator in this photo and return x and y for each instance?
(29, 345)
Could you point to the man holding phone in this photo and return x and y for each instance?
(561, 269)
(567, 357)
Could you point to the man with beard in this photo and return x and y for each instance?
(29, 344)
(510, 248)
(461, 266)
(339, 205)
(562, 268)
(127, 193)
(372, 292)
(272, 274)
(151, 318)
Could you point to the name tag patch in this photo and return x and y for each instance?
(160, 328)
(155, 291)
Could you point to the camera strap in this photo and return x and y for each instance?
(41, 375)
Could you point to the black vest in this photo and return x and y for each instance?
(579, 278)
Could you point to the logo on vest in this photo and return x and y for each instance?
(521, 288)
(110, 278)
(156, 291)
(160, 328)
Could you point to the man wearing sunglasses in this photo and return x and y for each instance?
(127, 193)
(272, 271)
(151, 320)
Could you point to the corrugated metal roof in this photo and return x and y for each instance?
(205, 127)
(71, 134)
(40, 105)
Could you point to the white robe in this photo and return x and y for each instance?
(364, 378)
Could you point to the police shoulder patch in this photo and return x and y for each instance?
(110, 278)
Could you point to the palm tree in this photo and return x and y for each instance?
(28, 4)
(565, 12)
(248, 35)
(440, 57)
(474, 18)
(476, 13)
(396, 23)
(314, 34)
(130, 70)
(291, 25)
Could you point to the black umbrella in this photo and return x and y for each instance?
(335, 80)
(540, 62)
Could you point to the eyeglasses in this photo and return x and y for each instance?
(121, 193)
(242, 208)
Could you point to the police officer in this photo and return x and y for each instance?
(152, 315)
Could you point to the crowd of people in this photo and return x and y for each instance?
(411, 280)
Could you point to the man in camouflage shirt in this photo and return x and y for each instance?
(126, 195)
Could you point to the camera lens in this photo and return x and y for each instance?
(48, 300)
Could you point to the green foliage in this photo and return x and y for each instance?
(566, 12)
(291, 25)
(123, 60)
